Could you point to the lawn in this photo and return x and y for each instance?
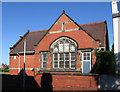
(4, 72)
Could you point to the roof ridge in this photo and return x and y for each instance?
(93, 23)
(38, 31)
(20, 39)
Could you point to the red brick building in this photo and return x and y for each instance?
(65, 48)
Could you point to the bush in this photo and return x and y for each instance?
(105, 62)
(5, 69)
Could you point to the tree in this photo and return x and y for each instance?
(105, 62)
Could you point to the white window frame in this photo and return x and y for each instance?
(43, 60)
(71, 60)
(57, 60)
(86, 60)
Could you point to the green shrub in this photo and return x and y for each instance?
(105, 62)
(5, 69)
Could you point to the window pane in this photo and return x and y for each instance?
(73, 66)
(72, 56)
(55, 49)
(55, 64)
(84, 58)
(67, 64)
(67, 56)
(61, 46)
(84, 54)
(61, 60)
(88, 54)
(66, 60)
(72, 48)
(44, 60)
(55, 60)
(73, 60)
(67, 46)
(44, 64)
(88, 58)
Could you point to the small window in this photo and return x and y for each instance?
(44, 61)
(86, 56)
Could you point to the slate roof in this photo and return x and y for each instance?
(32, 38)
(97, 30)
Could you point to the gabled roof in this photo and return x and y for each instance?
(96, 30)
(32, 38)
(64, 17)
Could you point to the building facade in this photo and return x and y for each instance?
(66, 47)
(116, 30)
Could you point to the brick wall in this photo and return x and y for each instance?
(66, 82)
(29, 64)
(33, 61)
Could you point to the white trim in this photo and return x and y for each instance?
(57, 42)
(23, 52)
(59, 31)
(101, 48)
(85, 60)
(22, 68)
(52, 46)
(63, 22)
(58, 60)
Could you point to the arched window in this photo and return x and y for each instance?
(64, 53)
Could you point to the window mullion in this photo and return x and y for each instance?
(64, 59)
(42, 60)
(53, 60)
(58, 60)
(58, 54)
(69, 55)
(64, 53)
